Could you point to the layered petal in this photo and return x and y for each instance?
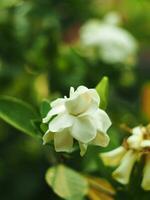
(61, 122)
(92, 92)
(95, 97)
(81, 89)
(102, 120)
(123, 172)
(57, 108)
(82, 100)
(113, 158)
(63, 141)
(101, 139)
(83, 129)
(57, 102)
(78, 104)
(146, 175)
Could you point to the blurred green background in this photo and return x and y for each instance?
(40, 58)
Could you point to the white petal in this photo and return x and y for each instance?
(146, 175)
(78, 104)
(83, 129)
(102, 120)
(48, 137)
(134, 141)
(81, 89)
(61, 122)
(54, 111)
(94, 95)
(57, 107)
(71, 91)
(102, 139)
(82, 100)
(83, 148)
(57, 102)
(92, 92)
(123, 172)
(63, 141)
(113, 158)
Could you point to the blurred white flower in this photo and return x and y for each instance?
(136, 146)
(110, 42)
(77, 117)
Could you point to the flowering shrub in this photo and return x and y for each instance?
(100, 48)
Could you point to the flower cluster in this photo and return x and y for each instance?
(108, 41)
(134, 147)
(77, 117)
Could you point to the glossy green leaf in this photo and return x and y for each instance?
(45, 107)
(67, 183)
(18, 114)
(102, 89)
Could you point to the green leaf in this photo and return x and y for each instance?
(45, 107)
(102, 89)
(67, 183)
(43, 127)
(18, 114)
(36, 123)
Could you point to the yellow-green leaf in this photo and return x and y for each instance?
(67, 183)
(102, 89)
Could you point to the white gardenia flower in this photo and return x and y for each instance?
(112, 43)
(136, 145)
(77, 117)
